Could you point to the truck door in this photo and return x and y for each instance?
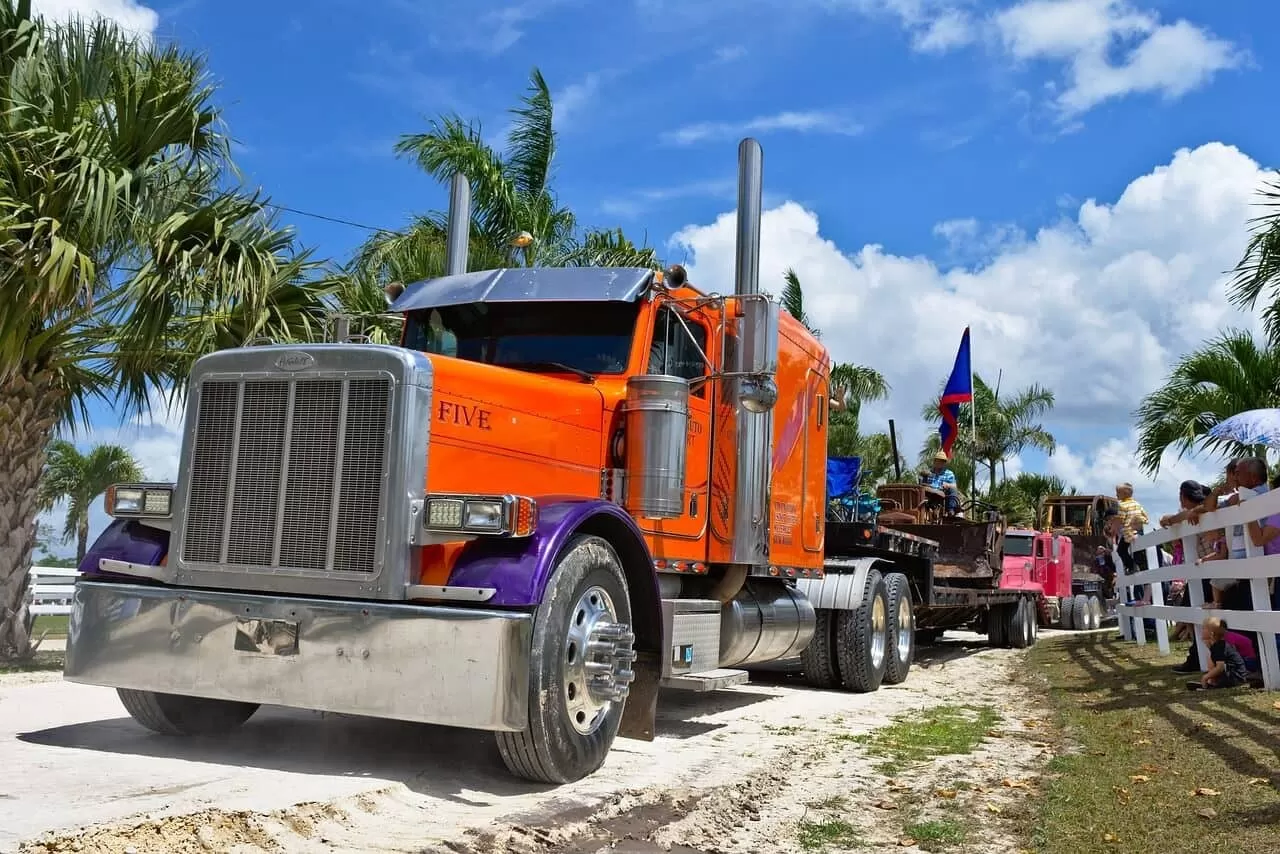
(678, 347)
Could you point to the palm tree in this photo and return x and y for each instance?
(1006, 425)
(1231, 373)
(1258, 272)
(1021, 498)
(793, 301)
(79, 479)
(125, 251)
(512, 195)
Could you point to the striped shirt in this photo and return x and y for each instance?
(1132, 518)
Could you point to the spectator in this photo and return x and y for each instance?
(1265, 532)
(1104, 566)
(1227, 669)
(1244, 646)
(944, 480)
(1132, 519)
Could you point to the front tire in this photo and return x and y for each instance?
(902, 624)
(579, 668)
(173, 714)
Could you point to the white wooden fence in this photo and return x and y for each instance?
(1256, 569)
(51, 589)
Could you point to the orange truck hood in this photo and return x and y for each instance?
(498, 430)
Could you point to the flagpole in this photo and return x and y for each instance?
(973, 414)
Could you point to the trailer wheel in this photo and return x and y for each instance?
(1018, 627)
(902, 624)
(1080, 613)
(1096, 612)
(1064, 613)
(996, 626)
(579, 668)
(173, 714)
(819, 657)
(862, 638)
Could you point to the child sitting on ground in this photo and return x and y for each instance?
(1227, 668)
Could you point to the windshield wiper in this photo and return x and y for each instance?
(539, 367)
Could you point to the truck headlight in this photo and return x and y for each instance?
(141, 500)
(495, 515)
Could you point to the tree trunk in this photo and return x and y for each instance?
(28, 413)
(82, 536)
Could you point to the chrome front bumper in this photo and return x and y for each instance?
(451, 666)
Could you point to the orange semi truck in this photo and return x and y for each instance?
(564, 490)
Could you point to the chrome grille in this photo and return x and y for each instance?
(287, 475)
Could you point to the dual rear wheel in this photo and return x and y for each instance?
(862, 648)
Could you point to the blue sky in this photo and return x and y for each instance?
(928, 163)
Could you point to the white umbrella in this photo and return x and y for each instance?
(1255, 427)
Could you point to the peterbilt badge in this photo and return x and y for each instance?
(295, 361)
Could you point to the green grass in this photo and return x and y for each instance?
(925, 735)
(816, 835)
(54, 624)
(1146, 766)
(937, 834)
(39, 662)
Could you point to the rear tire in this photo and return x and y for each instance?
(819, 657)
(902, 624)
(173, 714)
(579, 668)
(862, 638)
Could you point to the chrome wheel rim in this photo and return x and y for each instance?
(906, 628)
(879, 631)
(597, 660)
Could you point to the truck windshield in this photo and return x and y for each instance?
(592, 337)
(1018, 546)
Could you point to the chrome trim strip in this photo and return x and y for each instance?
(138, 570)
(456, 594)
(231, 475)
(282, 493)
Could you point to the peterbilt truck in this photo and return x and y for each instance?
(564, 490)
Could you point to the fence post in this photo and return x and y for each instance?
(1125, 593)
(1157, 598)
(1195, 598)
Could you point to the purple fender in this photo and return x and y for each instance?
(126, 540)
(519, 569)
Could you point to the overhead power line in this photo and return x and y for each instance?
(333, 219)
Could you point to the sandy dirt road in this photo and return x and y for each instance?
(743, 770)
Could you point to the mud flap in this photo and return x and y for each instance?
(639, 716)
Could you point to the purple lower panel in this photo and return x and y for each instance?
(126, 540)
(519, 568)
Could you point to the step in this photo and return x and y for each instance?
(707, 680)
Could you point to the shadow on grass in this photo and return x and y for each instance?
(1126, 676)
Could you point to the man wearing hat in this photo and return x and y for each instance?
(943, 479)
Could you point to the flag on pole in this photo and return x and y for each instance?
(959, 389)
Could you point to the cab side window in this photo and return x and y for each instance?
(677, 353)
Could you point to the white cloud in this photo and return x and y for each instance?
(129, 14)
(805, 121)
(1153, 57)
(1094, 307)
(1099, 470)
(574, 97)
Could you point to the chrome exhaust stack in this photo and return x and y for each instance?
(459, 231)
(755, 387)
